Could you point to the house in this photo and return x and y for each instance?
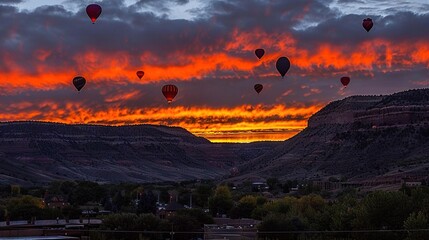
(170, 210)
(55, 201)
(227, 228)
(259, 186)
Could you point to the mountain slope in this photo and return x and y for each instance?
(360, 137)
(37, 152)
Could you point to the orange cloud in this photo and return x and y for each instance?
(238, 124)
(234, 62)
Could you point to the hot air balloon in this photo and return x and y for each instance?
(345, 81)
(93, 11)
(169, 91)
(367, 24)
(259, 52)
(258, 88)
(283, 65)
(140, 74)
(79, 82)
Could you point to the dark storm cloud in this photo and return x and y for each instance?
(271, 16)
(11, 1)
(128, 29)
(404, 26)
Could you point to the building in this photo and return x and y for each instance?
(56, 201)
(170, 210)
(227, 228)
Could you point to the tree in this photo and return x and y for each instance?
(25, 207)
(272, 183)
(202, 194)
(85, 192)
(244, 208)
(15, 190)
(382, 210)
(278, 222)
(416, 221)
(343, 213)
(147, 203)
(147, 222)
(221, 202)
(120, 221)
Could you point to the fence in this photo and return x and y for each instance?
(421, 234)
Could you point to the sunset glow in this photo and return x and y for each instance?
(210, 58)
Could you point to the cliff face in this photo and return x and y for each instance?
(37, 152)
(400, 108)
(359, 137)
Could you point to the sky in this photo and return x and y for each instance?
(206, 49)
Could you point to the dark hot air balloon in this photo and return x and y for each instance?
(79, 82)
(345, 81)
(367, 24)
(283, 65)
(93, 11)
(259, 52)
(169, 91)
(258, 88)
(140, 74)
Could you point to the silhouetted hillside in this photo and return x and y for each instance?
(360, 137)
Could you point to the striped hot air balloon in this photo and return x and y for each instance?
(169, 91)
(258, 88)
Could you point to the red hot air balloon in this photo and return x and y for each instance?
(283, 65)
(79, 82)
(258, 88)
(93, 11)
(140, 74)
(345, 81)
(367, 24)
(169, 91)
(259, 52)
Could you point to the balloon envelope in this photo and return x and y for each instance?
(140, 74)
(345, 81)
(79, 82)
(259, 52)
(283, 65)
(169, 91)
(258, 88)
(93, 11)
(367, 24)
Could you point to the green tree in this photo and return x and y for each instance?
(382, 210)
(221, 202)
(420, 199)
(311, 208)
(147, 222)
(202, 194)
(120, 221)
(85, 192)
(25, 207)
(278, 222)
(272, 183)
(416, 221)
(343, 213)
(244, 208)
(15, 190)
